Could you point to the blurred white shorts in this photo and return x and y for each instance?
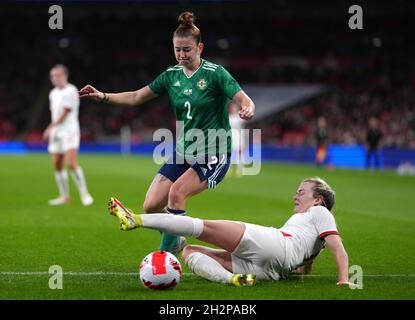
(261, 251)
(63, 142)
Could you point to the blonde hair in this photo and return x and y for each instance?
(61, 67)
(322, 190)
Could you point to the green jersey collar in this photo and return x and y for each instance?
(188, 77)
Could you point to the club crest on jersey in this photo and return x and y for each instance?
(187, 91)
(201, 84)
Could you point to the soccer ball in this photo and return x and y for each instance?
(160, 270)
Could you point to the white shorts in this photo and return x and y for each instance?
(261, 251)
(62, 142)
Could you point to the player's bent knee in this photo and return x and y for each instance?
(187, 250)
(191, 256)
(185, 253)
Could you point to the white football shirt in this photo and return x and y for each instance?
(60, 99)
(304, 234)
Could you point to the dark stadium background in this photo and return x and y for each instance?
(299, 60)
(120, 46)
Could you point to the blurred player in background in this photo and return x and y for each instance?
(63, 134)
(238, 139)
(198, 91)
(321, 138)
(373, 139)
(251, 251)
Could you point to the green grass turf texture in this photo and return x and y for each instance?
(374, 213)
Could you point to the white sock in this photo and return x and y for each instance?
(61, 178)
(79, 179)
(173, 224)
(208, 268)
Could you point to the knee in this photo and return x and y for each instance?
(188, 250)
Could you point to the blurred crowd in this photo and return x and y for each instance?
(369, 73)
(347, 118)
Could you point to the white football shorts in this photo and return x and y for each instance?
(261, 251)
(62, 142)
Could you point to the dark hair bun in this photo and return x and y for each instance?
(187, 19)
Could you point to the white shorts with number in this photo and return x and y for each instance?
(62, 142)
(261, 251)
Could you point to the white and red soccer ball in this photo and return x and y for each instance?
(160, 270)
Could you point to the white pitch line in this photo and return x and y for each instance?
(109, 273)
(69, 273)
(72, 273)
(364, 275)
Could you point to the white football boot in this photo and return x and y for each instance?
(59, 201)
(86, 199)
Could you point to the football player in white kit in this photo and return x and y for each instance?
(63, 134)
(249, 251)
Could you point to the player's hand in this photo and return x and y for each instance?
(90, 92)
(349, 284)
(246, 112)
(46, 133)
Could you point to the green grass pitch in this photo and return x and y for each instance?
(374, 212)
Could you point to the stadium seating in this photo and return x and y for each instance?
(367, 74)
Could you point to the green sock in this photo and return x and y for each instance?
(168, 241)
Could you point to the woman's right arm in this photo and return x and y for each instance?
(335, 244)
(128, 98)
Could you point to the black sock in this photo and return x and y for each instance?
(178, 212)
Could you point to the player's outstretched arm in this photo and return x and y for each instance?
(335, 244)
(247, 105)
(128, 98)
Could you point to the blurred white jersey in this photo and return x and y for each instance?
(65, 98)
(304, 234)
(237, 124)
(235, 121)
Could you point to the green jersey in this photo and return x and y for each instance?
(200, 104)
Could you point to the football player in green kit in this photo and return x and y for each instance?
(199, 91)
